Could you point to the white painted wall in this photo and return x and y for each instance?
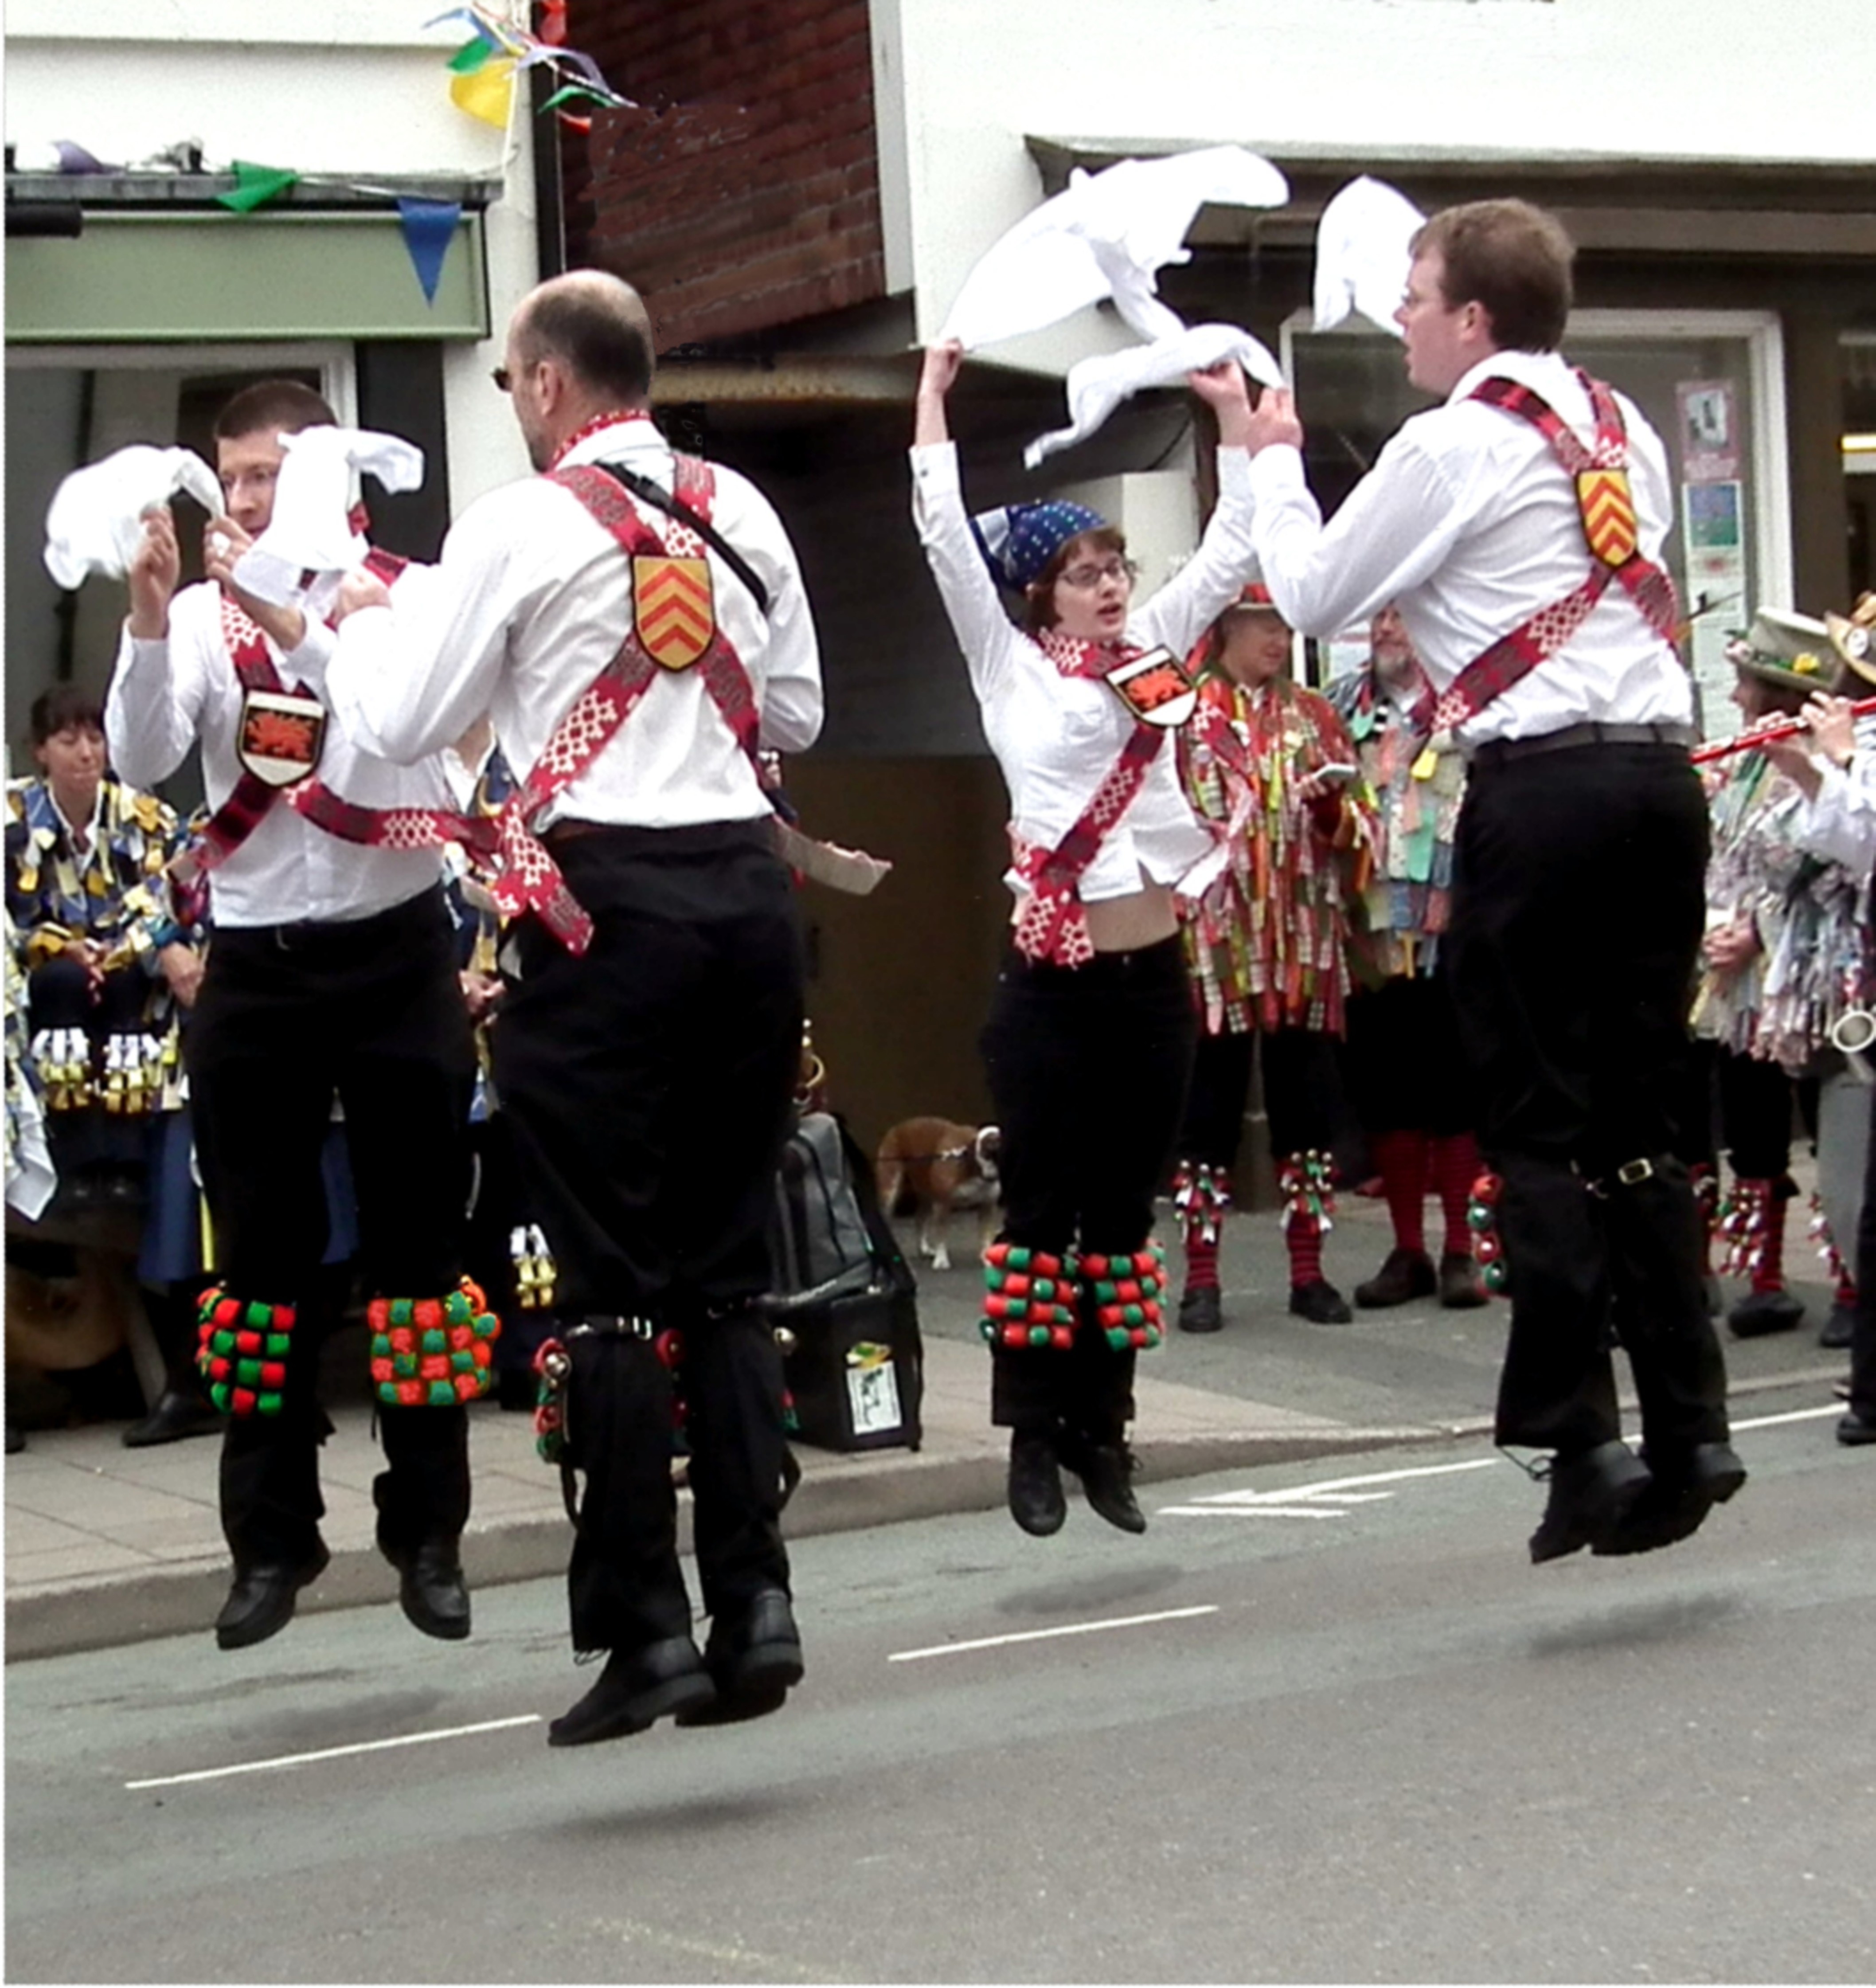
(354, 88)
(1707, 80)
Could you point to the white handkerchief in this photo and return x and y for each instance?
(95, 523)
(310, 545)
(1362, 257)
(1105, 234)
(1096, 386)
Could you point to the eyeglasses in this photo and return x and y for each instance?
(1085, 578)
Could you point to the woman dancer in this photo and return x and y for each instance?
(1089, 1042)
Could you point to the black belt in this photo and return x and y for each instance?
(1573, 738)
(336, 939)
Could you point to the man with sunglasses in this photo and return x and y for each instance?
(634, 623)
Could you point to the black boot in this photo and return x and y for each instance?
(1036, 1500)
(178, 1412)
(1105, 1469)
(1682, 1490)
(636, 1689)
(1408, 1274)
(754, 1658)
(1590, 1495)
(1200, 1311)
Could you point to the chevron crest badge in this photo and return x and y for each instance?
(1608, 508)
(674, 608)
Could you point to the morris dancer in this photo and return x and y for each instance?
(633, 622)
(1089, 1041)
(331, 971)
(1268, 947)
(1518, 528)
(1407, 1074)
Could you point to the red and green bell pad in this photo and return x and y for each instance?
(243, 1347)
(432, 1352)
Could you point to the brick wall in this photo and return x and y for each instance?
(745, 193)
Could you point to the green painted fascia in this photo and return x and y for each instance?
(163, 278)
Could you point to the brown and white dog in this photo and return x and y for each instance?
(929, 1166)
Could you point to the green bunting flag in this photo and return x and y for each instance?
(256, 185)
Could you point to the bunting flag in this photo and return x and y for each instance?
(429, 227)
(487, 91)
(73, 158)
(486, 67)
(256, 185)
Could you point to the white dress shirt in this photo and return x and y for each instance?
(165, 694)
(1468, 523)
(531, 601)
(1839, 825)
(1056, 737)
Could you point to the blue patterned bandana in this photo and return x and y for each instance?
(1018, 540)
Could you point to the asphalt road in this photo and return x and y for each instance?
(1322, 1722)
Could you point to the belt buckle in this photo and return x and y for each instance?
(1632, 1173)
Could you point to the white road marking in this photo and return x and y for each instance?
(1040, 1636)
(1240, 1511)
(1795, 1415)
(335, 1752)
(1297, 1501)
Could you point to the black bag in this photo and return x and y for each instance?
(844, 1296)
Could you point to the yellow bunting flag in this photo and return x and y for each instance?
(487, 93)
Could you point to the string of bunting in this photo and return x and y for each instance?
(486, 67)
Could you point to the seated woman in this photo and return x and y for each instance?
(107, 964)
(1089, 1042)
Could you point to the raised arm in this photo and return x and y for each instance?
(1214, 576)
(153, 710)
(964, 583)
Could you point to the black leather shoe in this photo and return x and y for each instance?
(1201, 1311)
(1590, 1495)
(1036, 1500)
(1854, 1428)
(175, 1415)
(1408, 1274)
(1460, 1289)
(636, 1690)
(1321, 1303)
(754, 1658)
(1760, 1312)
(430, 1588)
(1105, 1469)
(261, 1601)
(1681, 1492)
(1840, 1328)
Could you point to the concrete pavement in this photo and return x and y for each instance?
(105, 1545)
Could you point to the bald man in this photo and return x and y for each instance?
(634, 621)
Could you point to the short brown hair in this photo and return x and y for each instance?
(62, 709)
(275, 407)
(1039, 614)
(1511, 259)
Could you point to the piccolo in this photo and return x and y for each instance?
(1769, 735)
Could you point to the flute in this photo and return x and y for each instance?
(1767, 735)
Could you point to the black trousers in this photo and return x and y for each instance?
(1755, 1098)
(1088, 1068)
(1404, 1060)
(1577, 913)
(649, 1084)
(369, 1010)
(1301, 1089)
